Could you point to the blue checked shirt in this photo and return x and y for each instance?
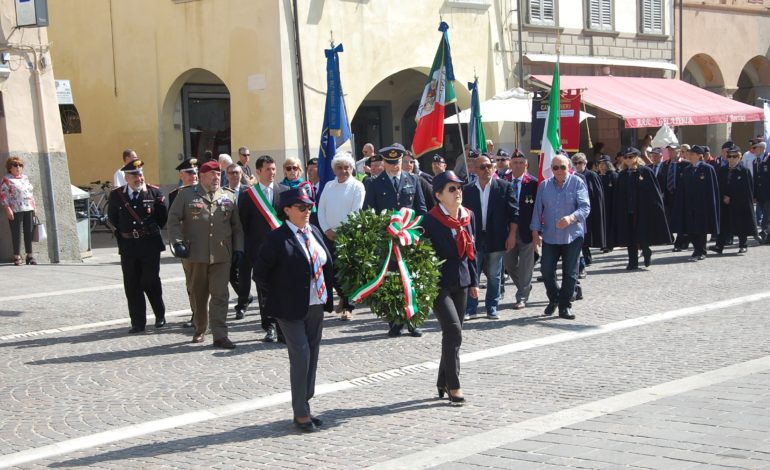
(554, 202)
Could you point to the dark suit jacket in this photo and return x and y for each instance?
(283, 271)
(526, 204)
(150, 208)
(255, 227)
(381, 195)
(502, 211)
(762, 180)
(456, 272)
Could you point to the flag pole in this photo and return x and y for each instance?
(460, 128)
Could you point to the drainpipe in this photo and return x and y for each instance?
(300, 85)
(521, 43)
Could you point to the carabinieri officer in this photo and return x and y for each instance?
(138, 213)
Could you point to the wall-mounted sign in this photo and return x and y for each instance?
(63, 92)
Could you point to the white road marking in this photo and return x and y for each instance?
(478, 443)
(540, 424)
(82, 290)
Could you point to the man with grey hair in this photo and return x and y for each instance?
(340, 198)
(368, 151)
(247, 176)
(224, 160)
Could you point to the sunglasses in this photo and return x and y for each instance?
(454, 189)
(629, 156)
(486, 166)
(302, 207)
(559, 167)
(733, 156)
(291, 168)
(246, 154)
(17, 165)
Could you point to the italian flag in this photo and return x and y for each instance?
(551, 143)
(439, 91)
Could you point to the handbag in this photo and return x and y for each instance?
(38, 230)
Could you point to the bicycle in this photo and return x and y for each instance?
(97, 204)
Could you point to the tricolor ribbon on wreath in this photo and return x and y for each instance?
(405, 226)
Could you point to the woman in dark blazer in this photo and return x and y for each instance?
(295, 269)
(737, 202)
(451, 229)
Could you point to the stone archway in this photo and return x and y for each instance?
(753, 82)
(703, 71)
(195, 117)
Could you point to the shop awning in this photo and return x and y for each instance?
(652, 102)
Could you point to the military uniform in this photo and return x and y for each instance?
(210, 226)
(138, 217)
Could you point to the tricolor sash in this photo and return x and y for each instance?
(265, 208)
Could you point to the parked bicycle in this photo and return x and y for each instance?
(99, 192)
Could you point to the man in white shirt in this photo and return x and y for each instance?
(119, 178)
(368, 151)
(339, 199)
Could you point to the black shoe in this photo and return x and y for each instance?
(632, 267)
(647, 254)
(459, 401)
(160, 323)
(566, 313)
(742, 250)
(415, 332)
(271, 335)
(316, 421)
(281, 339)
(240, 313)
(395, 331)
(582, 274)
(676, 249)
(716, 249)
(550, 308)
(251, 299)
(441, 392)
(187, 324)
(223, 343)
(578, 293)
(135, 329)
(308, 426)
(539, 278)
(701, 257)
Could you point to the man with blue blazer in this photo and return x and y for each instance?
(494, 207)
(520, 261)
(392, 190)
(294, 268)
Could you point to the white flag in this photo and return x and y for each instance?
(767, 124)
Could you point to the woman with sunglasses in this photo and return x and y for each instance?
(736, 194)
(18, 203)
(293, 171)
(451, 229)
(639, 218)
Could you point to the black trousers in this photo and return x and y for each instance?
(22, 222)
(303, 340)
(698, 243)
(337, 285)
(449, 307)
(724, 238)
(141, 276)
(633, 243)
(240, 280)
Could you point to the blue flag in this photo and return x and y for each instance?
(336, 130)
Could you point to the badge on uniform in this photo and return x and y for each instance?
(641, 178)
(739, 177)
(702, 176)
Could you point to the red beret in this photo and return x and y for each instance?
(209, 166)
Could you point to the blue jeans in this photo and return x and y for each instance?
(569, 255)
(492, 264)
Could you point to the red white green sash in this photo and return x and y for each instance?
(263, 205)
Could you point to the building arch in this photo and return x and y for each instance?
(753, 83)
(195, 116)
(703, 71)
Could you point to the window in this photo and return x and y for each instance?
(652, 16)
(600, 15)
(542, 12)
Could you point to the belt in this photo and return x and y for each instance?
(138, 233)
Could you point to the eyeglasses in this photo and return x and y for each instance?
(733, 156)
(246, 154)
(454, 189)
(17, 165)
(291, 168)
(559, 167)
(629, 156)
(302, 207)
(486, 166)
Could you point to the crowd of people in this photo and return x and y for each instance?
(229, 224)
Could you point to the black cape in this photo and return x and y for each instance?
(638, 192)
(696, 201)
(736, 218)
(609, 182)
(596, 224)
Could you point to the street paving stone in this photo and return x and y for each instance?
(64, 385)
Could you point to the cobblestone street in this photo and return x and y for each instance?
(667, 368)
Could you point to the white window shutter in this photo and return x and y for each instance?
(542, 12)
(652, 16)
(600, 15)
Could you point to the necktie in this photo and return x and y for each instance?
(395, 183)
(318, 273)
(671, 177)
(516, 188)
(269, 194)
(135, 197)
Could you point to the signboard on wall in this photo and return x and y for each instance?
(31, 13)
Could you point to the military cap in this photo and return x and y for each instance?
(133, 167)
(685, 147)
(294, 196)
(189, 165)
(631, 151)
(657, 150)
(672, 145)
(211, 165)
(707, 149)
(374, 158)
(502, 153)
(605, 159)
(518, 154)
(438, 159)
(473, 154)
(392, 154)
(728, 145)
(313, 161)
(733, 149)
(698, 149)
(442, 179)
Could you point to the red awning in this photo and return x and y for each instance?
(652, 102)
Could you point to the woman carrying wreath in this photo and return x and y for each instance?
(451, 230)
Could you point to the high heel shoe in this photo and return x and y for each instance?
(31, 260)
(455, 400)
(17, 260)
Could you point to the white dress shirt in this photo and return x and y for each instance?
(484, 202)
(314, 299)
(338, 201)
(268, 192)
(120, 179)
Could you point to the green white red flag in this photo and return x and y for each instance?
(551, 142)
(438, 92)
